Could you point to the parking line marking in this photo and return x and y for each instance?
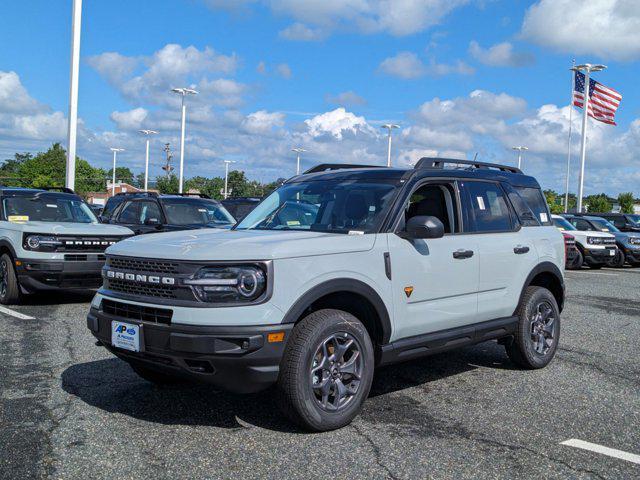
(594, 447)
(593, 273)
(13, 313)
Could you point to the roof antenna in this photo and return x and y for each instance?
(475, 157)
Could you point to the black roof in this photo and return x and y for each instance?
(436, 168)
(20, 191)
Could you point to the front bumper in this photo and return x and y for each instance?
(42, 274)
(239, 359)
(599, 255)
(632, 254)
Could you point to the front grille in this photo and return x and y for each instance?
(609, 241)
(136, 288)
(75, 258)
(85, 243)
(137, 312)
(143, 265)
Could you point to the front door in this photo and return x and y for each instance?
(435, 281)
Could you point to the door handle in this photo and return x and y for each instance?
(462, 254)
(520, 249)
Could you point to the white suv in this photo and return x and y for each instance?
(340, 270)
(50, 240)
(595, 248)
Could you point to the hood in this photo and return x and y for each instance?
(72, 228)
(217, 244)
(589, 233)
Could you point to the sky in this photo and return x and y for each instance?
(460, 77)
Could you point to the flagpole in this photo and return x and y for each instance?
(588, 68)
(566, 190)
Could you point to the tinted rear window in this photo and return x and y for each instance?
(537, 203)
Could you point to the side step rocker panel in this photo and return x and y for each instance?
(436, 342)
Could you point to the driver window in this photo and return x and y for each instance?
(149, 211)
(435, 200)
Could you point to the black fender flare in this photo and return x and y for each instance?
(6, 244)
(337, 285)
(544, 267)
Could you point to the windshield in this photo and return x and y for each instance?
(635, 219)
(337, 206)
(603, 225)
(563, 224)
(195, 211)
(45, 207)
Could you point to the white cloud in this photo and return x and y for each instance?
(301, 32)
(345, 99)
(131, 120)
(262, 122)
(500, 55)
(222, 91)
(606, 28)
(284, 71)
(14, 98)
(396, 17)
(338, 123)
(113, 66)
(408, 66)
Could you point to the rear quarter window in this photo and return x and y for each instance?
(537, 203)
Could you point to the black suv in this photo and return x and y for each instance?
(240, 207)
(150, 212)
(625, 222)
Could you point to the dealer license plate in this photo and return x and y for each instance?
(125, 336)
(612, 253)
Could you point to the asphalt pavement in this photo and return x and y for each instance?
(70, 410)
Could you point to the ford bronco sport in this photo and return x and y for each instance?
(50, 240)
(340, 270)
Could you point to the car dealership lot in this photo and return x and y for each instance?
(70, 410)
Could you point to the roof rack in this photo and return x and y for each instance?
(144, 194)
(325, 167)
(59, 189)
(201, 195)
(435, 162)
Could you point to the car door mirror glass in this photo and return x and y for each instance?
(424, 226)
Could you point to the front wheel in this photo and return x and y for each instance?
(326, 371)
(9, 286)
(536, 338)
(576, 263)
(617, 261)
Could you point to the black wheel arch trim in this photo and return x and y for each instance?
(338, 285)
(6, 244)
(544, 267)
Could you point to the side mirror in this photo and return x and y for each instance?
(424, 226)
(152, 221)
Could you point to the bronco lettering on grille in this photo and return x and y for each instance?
(136, 277)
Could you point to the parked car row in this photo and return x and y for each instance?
(592, 240)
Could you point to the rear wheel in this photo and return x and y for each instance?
(9, 286)
(576, 263)
(536, 338)
(326, 371)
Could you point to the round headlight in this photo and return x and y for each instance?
(33, 242)
(249, 281)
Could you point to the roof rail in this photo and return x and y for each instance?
(201, 195)
(59, 189)
(147, 194)
(435, 162)
(325, 167)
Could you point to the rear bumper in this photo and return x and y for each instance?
(239, 359)
(37, 274)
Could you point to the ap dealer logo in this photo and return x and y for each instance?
(122, 329)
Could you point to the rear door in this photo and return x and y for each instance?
(435, 281)
(507, 254)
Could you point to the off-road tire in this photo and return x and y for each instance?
(617, 261)
(522, 349)
(10, 290)
(296, 395)
(577, 262)
(154, 376)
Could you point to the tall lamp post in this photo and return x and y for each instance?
(298, 151)
(226, 177)
(72, 128)
(389, 127)
(587, 68)
(520, 150)
(147, 133)
(183, 92)
(113, 181)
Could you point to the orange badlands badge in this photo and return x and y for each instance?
(408, 291)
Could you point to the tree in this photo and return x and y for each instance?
(123, 174)
(626, 202)
(139, 181)
(167, 184)
(598, 203)
(553, 200)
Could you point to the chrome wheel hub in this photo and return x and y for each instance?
(543, 328)
(336, 371)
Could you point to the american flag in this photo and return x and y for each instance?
(603, 101)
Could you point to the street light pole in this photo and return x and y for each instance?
(566, 187)
(520, 149)
(588, 68)
(113, 180)
(147, 133)
(183, 92)
(226, 177)
(389, 127)
(298, 151)
(72, 128)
